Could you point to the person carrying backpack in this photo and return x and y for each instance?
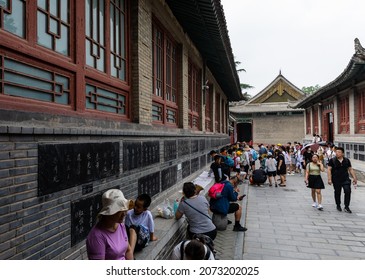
(254, 157)
(227, 162)
(199, 248)
(226, 203)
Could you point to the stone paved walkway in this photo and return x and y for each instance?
(282, 224)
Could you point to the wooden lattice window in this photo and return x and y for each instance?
(224, 119)
(217, 113)
(53, 25)
(194, 93)
(315, 121)
(344, 116)
(106, 100)
(107, 19)
(360, 101)
(12, 17)
(54, 57)
(308, 121)
(21, 79)
(324, 126)
(208, 106)
(165, 77)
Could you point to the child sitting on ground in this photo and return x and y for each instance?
(140, 225)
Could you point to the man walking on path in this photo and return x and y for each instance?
(338, 174)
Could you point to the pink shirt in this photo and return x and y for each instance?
(105, 245)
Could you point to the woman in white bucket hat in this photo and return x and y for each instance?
(108, 239)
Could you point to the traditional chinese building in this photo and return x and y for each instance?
(103, 94)
(337, 110)
(269, 117)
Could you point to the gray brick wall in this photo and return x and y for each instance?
(38, 227)
(33, 227)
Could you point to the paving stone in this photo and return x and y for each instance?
(285, 225)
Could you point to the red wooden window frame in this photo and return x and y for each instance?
(360, 101)
(324, 127)
(344, 116)
(217, 113)
(165, 54)
(224, 121)
(308, 121)
(315, 121)
(194, 95)
(208, 108)
(73, 65)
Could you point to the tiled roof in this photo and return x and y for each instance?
(264, 108)
(353, 74)
(205, 23)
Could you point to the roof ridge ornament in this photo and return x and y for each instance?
(359, 49)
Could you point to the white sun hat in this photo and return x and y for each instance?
(113, 201)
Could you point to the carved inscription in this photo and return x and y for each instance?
(83, 217)
(201, 145)
(203, 161)
(169, 150)
(194, 146)
(149, 184)
(183, 147)
(150, 153)
(186, 168)
(132, 153)
(194, 165)
(62, 166)
(168, 177)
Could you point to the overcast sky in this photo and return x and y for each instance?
(310, 41)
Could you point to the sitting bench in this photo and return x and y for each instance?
(170, 231)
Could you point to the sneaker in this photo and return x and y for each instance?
(276, 185)
(320, 207)
(239, 228)
(229, 222)
(347, 210)
(314, 204)
(339, 208)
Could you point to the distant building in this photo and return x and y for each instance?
(104, 94)
(337, 110)
(270, 116)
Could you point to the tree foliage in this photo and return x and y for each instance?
(245, 96)
(311, 89)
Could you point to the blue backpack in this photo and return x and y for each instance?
(230, 162)
(254, 154)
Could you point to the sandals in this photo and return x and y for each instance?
(282, 185)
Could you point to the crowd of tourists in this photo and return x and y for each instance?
(124, 227)
(273, 163)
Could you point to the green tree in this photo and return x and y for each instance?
(311, 89)
(245, 96)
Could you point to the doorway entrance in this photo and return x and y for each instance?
(327, 128)
(244, 132)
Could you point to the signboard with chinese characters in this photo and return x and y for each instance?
(83, 217)
(62, 166)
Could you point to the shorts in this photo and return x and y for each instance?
(233, 207)
(143, 236)
(252, 162)
(245, 168)
(271, 173)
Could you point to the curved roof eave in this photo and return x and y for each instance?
(355, 68)
(205, 23)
